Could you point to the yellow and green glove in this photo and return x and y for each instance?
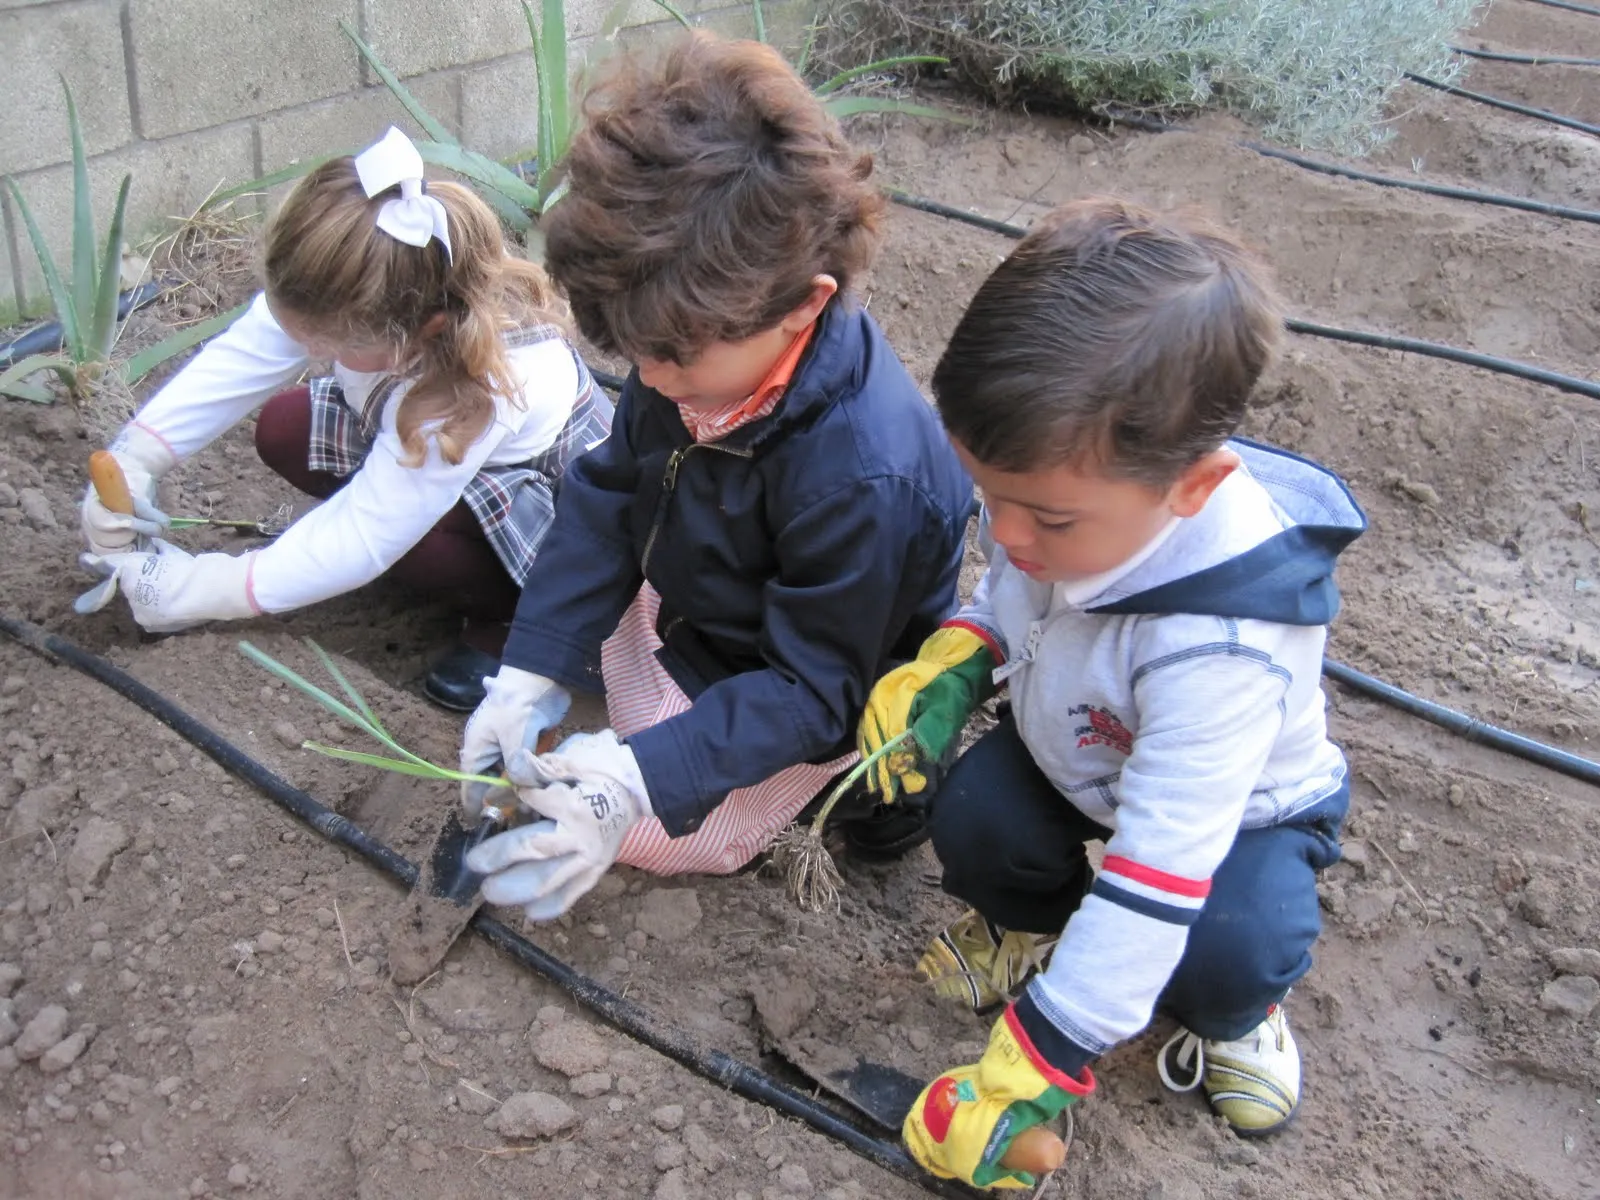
(964, 1121)
(932, 696)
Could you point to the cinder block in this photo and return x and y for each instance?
(10, 299)
(198, 63)
(413, 37)
(85, 44)
(170, 179)
(500, 107)
(347, 123)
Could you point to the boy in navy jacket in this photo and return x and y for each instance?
(776, 517)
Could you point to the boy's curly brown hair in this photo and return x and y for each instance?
(708, 187)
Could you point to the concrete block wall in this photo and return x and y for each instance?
(192, 95)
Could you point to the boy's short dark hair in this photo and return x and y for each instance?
(1113, 337)
(708, 186)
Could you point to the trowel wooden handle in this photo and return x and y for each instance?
(110, 484)
(1036, 1151)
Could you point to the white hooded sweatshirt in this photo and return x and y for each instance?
(1175, 699)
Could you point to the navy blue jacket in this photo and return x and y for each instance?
(796, 560)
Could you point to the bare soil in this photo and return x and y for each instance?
(227, 965)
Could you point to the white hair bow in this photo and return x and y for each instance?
(415, 218)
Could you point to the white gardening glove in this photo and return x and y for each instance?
(589, 793)
(144, 459)
(517, 707)
(170, 589)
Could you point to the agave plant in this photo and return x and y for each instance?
(86, 309)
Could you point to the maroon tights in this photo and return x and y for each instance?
(453, 562)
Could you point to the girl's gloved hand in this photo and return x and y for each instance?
(143, 458)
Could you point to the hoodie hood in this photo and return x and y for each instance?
(1263, 547)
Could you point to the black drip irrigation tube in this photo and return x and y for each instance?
(1541, 114)
(1528, 60)
(622, 1014)
(1448, 191)
(1569, 6)
(1359, 337)
(42, 339)
(1460, 723)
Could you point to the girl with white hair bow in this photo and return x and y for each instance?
(453, 406)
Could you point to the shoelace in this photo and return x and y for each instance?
(1190, 1050)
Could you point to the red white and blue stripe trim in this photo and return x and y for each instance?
(1151, 893)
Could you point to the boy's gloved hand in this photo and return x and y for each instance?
(169, 589)
(589, 793)
(964, 1121)
(144, 459)
(517, 707)
(932, 696)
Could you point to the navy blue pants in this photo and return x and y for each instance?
(1012, 846)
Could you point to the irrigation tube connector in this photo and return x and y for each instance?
(1460, 723)
(1541, 114)
(42, 339)
(1448, 191)
(1359, 337)
(638, 1023)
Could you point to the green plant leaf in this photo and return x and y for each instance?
(807, 50)
(103, 332)
(400, 766)
(872, 68)
(337, 707)
(148, 359)
(12, 378)
(60, 298)
(348, 688)
(282, 175)
(852, 106)
(760, 19)
(555, 46)
(511, 196)
(424, 119)
(673, 11)
(545, 144)
(83, 263)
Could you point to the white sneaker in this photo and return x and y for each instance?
(1253, 1082)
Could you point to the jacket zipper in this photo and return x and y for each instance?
(669, 481)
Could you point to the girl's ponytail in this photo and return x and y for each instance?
(328, 263)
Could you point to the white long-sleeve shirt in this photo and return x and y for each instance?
(385, 509)
(1174, 700)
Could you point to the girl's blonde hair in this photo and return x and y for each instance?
(329, 264)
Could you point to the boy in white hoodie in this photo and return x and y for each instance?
(1157, 600)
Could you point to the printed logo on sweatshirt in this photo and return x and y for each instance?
(1102, 728)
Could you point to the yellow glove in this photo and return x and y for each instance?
(932, 696)
(964, 1122)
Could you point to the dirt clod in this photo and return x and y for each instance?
(669, 914)
(573, 1048)
(97, 844)
(532, 1115)
(1571, 995)
(49, 1026)
(64, 1053)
